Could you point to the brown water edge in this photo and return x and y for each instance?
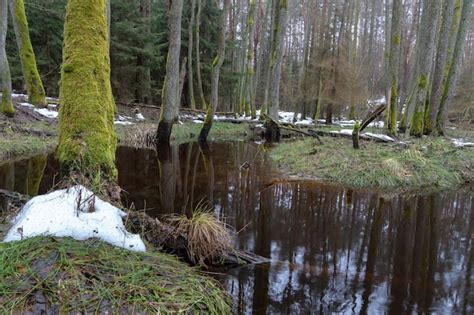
(333, 249)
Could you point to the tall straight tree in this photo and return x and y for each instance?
(87, 140)
(425, 46)
(192, 101)
(170, 86)
(198, 55)
(439, 76)
(5, 77)
(393, 65)
(34, 85)
(276, 59)
(216, 67)
(454, 69)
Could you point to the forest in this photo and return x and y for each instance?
(236, 156)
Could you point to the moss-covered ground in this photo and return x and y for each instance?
(91, 277)
(421, 163)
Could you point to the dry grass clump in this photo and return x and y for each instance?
(207, 238)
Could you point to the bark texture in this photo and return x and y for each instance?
(216, 67)
(87, 139)
(34, 85)
(170, 87)
(5, 77)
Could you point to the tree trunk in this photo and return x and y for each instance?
(216, 67)
(455, 65)
(439, 72)
(182, 77)
(34, 85)
(394, 63)
(425, 51)
(5, 77)
(170, 87)
(198, 56)
(276, 56)
(190, 57)
(87, 140)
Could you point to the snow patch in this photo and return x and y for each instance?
(379, 136)
(140, 116)
(197, 121)
(460, 143)
(76, 213)
(27, 105)
(47, 112)
(125, 123)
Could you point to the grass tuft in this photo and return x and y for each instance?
(207, 237)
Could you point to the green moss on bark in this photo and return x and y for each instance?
(87, 139)
(416, 127)
(34, 85)
(7, 104)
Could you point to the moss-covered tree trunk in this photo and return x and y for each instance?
(439, 71)
(455, 65)
(216, 67)
(393, 65)
(87, 139)
(5, 77)
(425, 48)
(170, 87)
(34, 85)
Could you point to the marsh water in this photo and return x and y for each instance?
(332, 249)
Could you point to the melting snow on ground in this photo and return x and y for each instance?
(140, 116)
(47, 112)
(460, 143)
(27, 105)
(76, 213)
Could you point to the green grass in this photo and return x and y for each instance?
(93, 277)
(14, 145)
(424, 163)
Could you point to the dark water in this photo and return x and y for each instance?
(333, 249)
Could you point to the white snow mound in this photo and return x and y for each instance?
(75, 212)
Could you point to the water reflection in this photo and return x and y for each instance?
(332, 249)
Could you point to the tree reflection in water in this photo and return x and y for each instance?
(333, 249)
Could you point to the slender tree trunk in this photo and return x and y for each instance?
(171, 84)
(394, 63)
(182, 77)
(216, 67)
(192, 101)
(450, 85)
(5, 77)
(87, 140)
(143, 78)
(198, 55)
(34, 85)
(426, 43)
(439, 72)
(276, 56)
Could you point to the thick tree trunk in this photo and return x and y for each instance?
(439, 72)
(394, 62)
(426, 43)
(216, 67)
(34, 85)
(87, 140)
(455, 65)
(5, 77)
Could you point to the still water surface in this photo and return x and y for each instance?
(333, 249)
